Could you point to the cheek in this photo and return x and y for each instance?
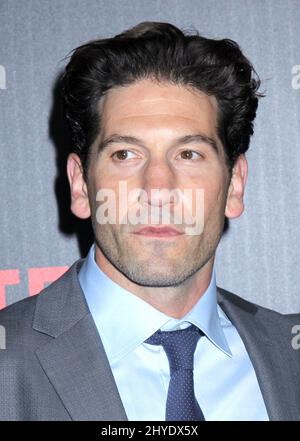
(214, 198)
(215, 205)
(108, 175)
(102, 178)
(210, 182)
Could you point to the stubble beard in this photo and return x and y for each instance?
(155, 269)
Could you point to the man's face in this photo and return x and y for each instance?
(158, 136)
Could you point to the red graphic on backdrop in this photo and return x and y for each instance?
(38, 278)
(7, 277)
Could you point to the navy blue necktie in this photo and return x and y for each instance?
(180, 347)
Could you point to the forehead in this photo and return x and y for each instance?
(152, 102)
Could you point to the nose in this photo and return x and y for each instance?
(158, 181)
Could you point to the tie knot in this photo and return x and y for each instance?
(179, 346)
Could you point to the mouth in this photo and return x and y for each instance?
(160, 232)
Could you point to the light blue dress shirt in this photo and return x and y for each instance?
(226, 386)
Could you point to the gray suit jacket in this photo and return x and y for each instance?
(54, 366)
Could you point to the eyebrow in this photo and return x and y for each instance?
(184, 140)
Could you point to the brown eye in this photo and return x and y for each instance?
(189, 154)
(122, 155)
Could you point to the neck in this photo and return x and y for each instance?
(174, 301)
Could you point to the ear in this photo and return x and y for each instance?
(79, 196)
(235, 197)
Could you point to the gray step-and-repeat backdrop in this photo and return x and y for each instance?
(259, 255)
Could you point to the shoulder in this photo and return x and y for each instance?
(17, 320)
(18, 316)
(228, 300)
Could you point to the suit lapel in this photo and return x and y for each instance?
(267, 338)
(74, 360)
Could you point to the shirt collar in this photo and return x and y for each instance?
(114, 309)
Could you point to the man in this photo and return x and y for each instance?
(138, 330)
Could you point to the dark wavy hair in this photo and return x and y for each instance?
(161, 51)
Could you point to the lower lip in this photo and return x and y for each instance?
(162, 235)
